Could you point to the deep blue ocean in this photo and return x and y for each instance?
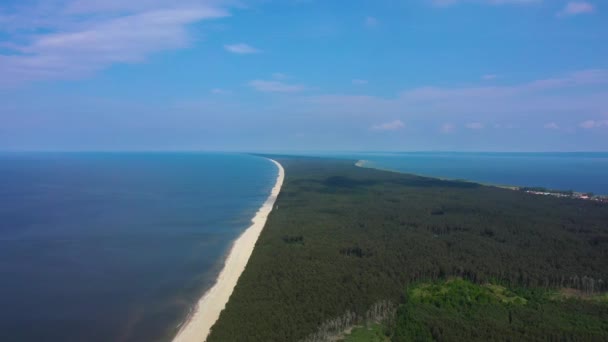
(582, 172)
(117, 247)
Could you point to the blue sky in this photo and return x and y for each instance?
(458, 75)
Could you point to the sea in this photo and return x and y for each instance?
(580, 171)
(117, 246)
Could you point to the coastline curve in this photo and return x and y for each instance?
(210, 305)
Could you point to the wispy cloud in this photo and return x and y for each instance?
(273, 86)
(576, 8)
(82, 37)
(489, 77)
(388, 126)
(474, 125)
(370, 22)
(574, 79)
(359, 82)
(445, 3)
(241, 49)
(589, 124)
(505, 126)
(535, 102)
(219, 91)
(551, 125)
(279, 76)
(477, 96)
(447, 128)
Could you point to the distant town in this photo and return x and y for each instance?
(588, 196)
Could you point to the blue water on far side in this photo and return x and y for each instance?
(117, 247)
(582, 172)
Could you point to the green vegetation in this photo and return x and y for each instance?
(565, 294)
(458, 310)
(343, 238)
(371, 333)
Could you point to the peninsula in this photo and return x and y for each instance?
(358, 247)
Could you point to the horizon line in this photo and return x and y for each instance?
(276, 151)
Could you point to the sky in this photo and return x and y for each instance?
(304, 75)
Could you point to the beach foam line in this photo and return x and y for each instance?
(209, 307)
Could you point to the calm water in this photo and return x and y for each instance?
(116, 247)
(584, 172)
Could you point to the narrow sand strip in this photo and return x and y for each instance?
(361, 163)
(208, 309)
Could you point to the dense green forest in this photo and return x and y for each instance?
(342, 239)
(458, 310)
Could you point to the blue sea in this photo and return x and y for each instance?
(582, 172)
(117, 247)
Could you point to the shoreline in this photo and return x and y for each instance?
(548, 192)
(208, 308)
(362, 164)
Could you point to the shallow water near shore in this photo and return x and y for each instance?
(117, 247)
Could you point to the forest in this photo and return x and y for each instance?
(346, 244)
(459, 310)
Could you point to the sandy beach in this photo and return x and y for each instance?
(212, 303)
(360, 163)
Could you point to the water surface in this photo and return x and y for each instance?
(583, 172)
(117, 247)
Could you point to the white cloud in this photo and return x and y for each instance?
(109, 6)
(589, 124)
(241, 48)
(81, 37)
(359, 82)
(543, 100)
(445, 3)
(219, 91)
(370, 22)
(489, 77)
(474, 125)
(389, 126)
(551, 125)
(574, 79)
(279, 76)
(447, 128)
(576, 8)
(275, 86)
